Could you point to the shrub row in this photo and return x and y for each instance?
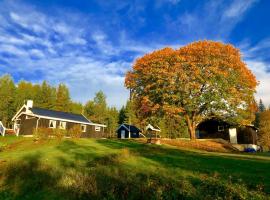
(45, 133)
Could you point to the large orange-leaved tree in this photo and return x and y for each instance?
(197, 81)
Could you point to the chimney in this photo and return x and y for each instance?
(29, 104)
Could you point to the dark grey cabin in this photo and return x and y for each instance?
(128, 131)
(217, 128)
(29, 118)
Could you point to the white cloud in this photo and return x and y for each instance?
(238, 8)
(260, 70)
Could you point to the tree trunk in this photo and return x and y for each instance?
(191, 127)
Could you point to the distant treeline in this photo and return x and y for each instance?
(44, 95)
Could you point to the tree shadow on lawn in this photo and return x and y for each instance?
(107, 176)
(104, 178)
(251, 172)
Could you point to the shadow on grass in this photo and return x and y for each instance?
(107, 177)
(251, 172)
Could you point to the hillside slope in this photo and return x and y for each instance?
(115, 169)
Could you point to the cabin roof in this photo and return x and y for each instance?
(130, 128)
(59, 114)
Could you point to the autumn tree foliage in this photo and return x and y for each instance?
(197, 81)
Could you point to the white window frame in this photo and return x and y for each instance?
(83, 128)
(97, 128)
(62, 125)
(220, 128)
(54, 123)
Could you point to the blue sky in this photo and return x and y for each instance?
(89, 45)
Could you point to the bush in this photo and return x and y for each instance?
(43, 133)
(59, 133)
(75, 131)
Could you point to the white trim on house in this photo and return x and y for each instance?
(62, 125)
(122, 125)
(53, 123)
(97, 128)
(3, 129)
(15, 116)
(60, 119)
(149, 126)
(83, 128)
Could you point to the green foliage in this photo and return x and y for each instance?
(261, 106)
(112, 121)
(63, 101)
(122, 116)
(264, 130)
(76, 108)
(96, 109)
(44, 96)
(7, 99)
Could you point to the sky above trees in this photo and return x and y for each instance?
(89, 45)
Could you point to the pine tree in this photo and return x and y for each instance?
(96, 110)
(122, 116)
(261, 106)
(24, 92)
(7, 96)
(112, 121)
(45, 97)
(63, 101)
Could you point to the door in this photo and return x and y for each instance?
(233, 135)
(123, 133)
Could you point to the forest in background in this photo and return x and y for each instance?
(14, 95)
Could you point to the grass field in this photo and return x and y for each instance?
(123, 169)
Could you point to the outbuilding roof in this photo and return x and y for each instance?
(59, 114)
(130, 128)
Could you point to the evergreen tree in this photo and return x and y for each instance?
(63, 101)
(96, 110)
(24, 92)
(45, 98)
(100, 107)
(76, 108)
(7, 96)
(122, 118)
(112, 121)
(261, 106)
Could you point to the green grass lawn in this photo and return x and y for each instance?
(123, 169)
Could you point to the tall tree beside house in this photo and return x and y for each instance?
(100, 107)
(261, 106)
(130, 114)
(194, 82)
(96, 109)
(24, 91)
(122, 117)
(76, 107)
(63, 101)
(7, 99)
(46, 96)
(112, 121)
(264, 131)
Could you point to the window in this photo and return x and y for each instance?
(220, 128)
(97, 128)
(62, 125)
(52, 124)
(83, 128)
